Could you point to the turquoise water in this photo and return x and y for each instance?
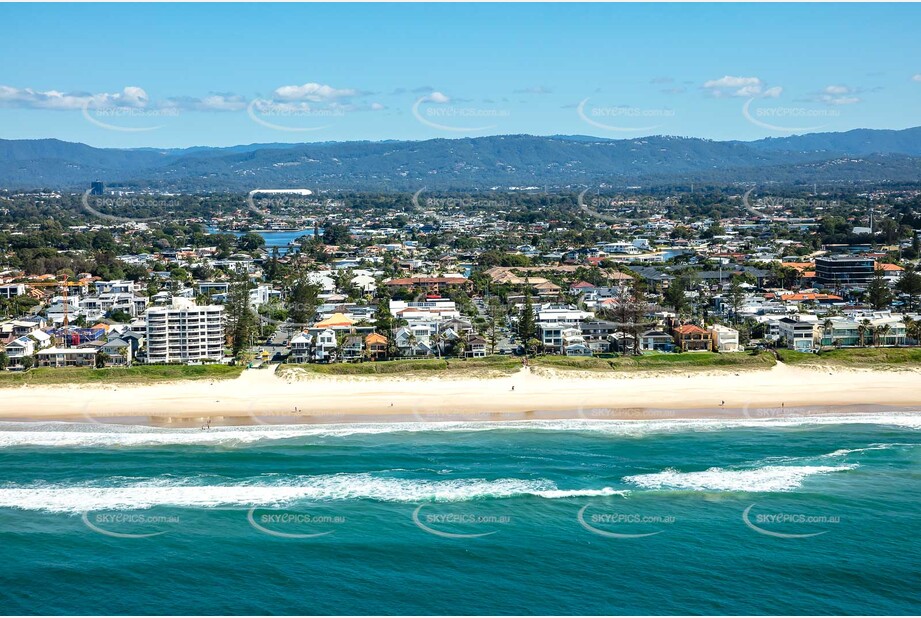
(548, 517)
(273, 240)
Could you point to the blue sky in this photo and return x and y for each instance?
(217, 75)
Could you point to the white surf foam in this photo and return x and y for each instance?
(843, 452)
(278, 491)
(102, 436)
(766, 479)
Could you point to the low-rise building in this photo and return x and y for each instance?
(725, 339)
(798, 332)
(66, 357)
(692, 338)
(376, 344)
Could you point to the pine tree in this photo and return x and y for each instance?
(910, 285)
(241, 319)
(527, 328)
(878, 293)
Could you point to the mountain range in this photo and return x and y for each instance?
(480, 163)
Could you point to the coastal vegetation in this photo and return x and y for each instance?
(870, 358)
(474, 367)
(659, 362)
(140, 374)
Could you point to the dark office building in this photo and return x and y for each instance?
(97, 188)
(844, 270)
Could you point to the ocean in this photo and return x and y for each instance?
(778, 516)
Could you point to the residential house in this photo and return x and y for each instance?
(414, 340)
(598, 333)
(429, 284)
(118, 350)
(19, 349)
(376, 344)
(300, 346)
(476, 347)
(798, 332)
(692, 338)
(725, 339)
(656, 341)
(352, 348)
(66, 357)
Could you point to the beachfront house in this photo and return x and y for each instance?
(692, 338)
(66, 357)
(119, 352)
(655, 340)
(798, 332)
(300, 348)
(725, 339)
(352, 348)
(376, 345)
(476, 347)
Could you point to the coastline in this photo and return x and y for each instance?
(261, 397)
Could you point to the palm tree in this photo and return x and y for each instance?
(862, 329)
(909, 327)
(881, 332)
(913, 331)
(412, 340)
(826, 327)
(440, 338)
(460, 345)
(340, 343)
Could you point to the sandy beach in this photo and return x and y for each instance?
(262, 396)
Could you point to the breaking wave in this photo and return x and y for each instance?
(766, 479)
(76, 435)
(127, 494)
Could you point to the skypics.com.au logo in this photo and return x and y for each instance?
(92, 203)
(129, 524)
(623, 118)
(436, 110)
(448, 522)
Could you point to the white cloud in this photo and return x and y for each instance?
(438, 97)
(130, 96)
(534, 90)
(287, 107)
(838, 94)
(729, 81)
(916, 77)
(378, 106)
(735, 86)
(211, 103)
(847, 100)
(314, 92)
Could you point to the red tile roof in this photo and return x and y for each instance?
(690, 329)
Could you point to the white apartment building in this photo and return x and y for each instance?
(12, 289)
(434, 310)
(564, 314)
(184, 332)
